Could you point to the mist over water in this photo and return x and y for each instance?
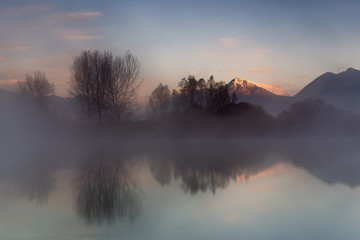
(62, 181)
(193, 174)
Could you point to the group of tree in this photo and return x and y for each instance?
(36, 88)
(204, 95)
(105, 85)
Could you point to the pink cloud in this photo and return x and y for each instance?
(81, 37)
(209, 54)
(13, 46)
(15, 12)
(225, 70)
(260, 70)
(228, 42)
(1, 58)
(9, 84)
(261, 53)
(80, 34)
(10, 81)
(88, 14)
(302, 77)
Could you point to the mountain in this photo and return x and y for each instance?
(341, 90)
(246, 88)
(247, 91)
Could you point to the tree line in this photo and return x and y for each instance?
(203, 95)
(104, 85)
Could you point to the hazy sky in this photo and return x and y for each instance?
(283, 43)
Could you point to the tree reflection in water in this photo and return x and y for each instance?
(161, 169)
(37, 186)
(194, 180)
(105, 191)
(206, 166)
(36, 180)
(195, 174)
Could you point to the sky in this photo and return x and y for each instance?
(286, 44)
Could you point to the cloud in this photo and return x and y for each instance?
(210, 54)
(1, 58)
(225, 70)
(16, 12)
(13, 46)
(10, 81)
(229, 42)
(80, 34)
(260, 70)
(302, 77)
(86, 14)
(81, 37)
(9, 84)
(261, 53)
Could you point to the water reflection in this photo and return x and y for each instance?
(37, 186)
(36, 181)
(331, 162)
(161, 169)
(105, 190)
(201, 170)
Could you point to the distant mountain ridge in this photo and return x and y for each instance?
(247, 91)
(341, 90)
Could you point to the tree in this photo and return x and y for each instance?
(221, 97)
(159, 100)
(124, 84)
(91, 73)
(189, 87)
(36, 87)
(105, 84)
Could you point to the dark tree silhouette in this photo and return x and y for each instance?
(159, 101)
(90, 76)
(36, 87)
(105, 191)
(189, 87)
(221, 97)
(124, 85)
(105, 84)
(207, 95)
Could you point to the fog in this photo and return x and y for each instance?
(106, 176)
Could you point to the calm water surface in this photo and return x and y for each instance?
(241, 191)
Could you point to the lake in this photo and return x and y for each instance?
(177, 189)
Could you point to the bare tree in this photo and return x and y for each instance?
(159, 100)
(124, 85)
(36, 87)
(90, 76)
(105, 84)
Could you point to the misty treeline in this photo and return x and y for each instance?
(103, 87)
(203, 95)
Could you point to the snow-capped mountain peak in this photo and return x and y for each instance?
(246, 88)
